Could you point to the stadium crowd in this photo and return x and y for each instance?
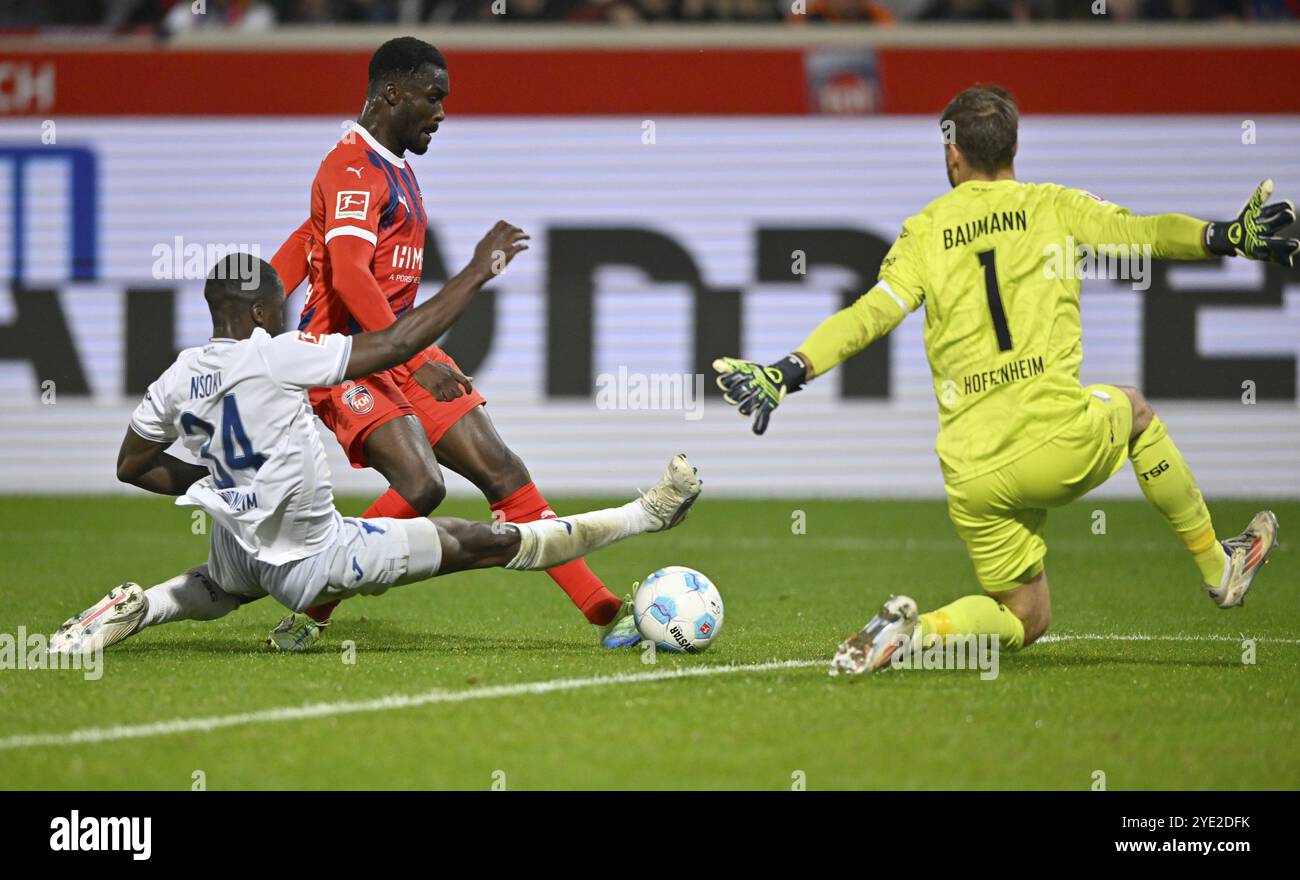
(170, 16)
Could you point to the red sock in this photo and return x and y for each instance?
(575, 578)
(321, 613)
(389, 504)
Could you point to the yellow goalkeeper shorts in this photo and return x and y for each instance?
(1001, 515)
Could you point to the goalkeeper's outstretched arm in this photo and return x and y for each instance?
(850, 330)
(1253, 233)
(758, 390)
(901, 289)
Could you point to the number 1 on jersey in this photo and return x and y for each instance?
(995, 300)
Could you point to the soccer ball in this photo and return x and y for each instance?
(678, 609)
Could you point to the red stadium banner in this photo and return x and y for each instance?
(596, 82)
(1174, 80)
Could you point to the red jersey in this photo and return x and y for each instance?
(364, 190)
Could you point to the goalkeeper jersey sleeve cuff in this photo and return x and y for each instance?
(1179, 237)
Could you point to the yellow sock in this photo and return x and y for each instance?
(1208, 553)
(973, 616)
(1170, 488)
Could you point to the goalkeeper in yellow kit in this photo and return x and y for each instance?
(1018, 434)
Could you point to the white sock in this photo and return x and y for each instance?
(546, 543)
(189, 596)
(426, 549)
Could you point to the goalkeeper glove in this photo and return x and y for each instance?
(1253, 233)
(754, 388)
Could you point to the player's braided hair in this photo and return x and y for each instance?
(984, 126)
(401, 57)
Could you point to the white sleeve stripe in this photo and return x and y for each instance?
(156, 438)
(884, 285)
(352, 230)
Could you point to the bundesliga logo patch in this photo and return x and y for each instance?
(351, 205)
(359, 399)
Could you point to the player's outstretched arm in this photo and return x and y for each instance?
(354, 282)
(418, 328)
(145, 463)
(1253, 234)
(758, 390)
(290, 261)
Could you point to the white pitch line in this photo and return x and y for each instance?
(1140, 637)
(380, 704)
(408, 701)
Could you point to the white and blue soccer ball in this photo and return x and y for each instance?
(679, 609)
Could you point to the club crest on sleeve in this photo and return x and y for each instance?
(359, 399)
(351, 204)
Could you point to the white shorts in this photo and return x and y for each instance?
(366, 557)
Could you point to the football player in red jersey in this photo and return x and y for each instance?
(362, 251)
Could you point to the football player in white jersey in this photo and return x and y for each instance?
(239, 405)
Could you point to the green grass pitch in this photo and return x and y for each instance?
(1182, 712)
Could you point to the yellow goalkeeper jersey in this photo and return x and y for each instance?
(995, 264)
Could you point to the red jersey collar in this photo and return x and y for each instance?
(377, 146)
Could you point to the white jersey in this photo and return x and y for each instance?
(240, 406)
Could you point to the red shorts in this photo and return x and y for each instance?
(354, 409)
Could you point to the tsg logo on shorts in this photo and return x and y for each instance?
(359, 399)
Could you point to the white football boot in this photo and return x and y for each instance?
(111, 619)
(892, 630)
(296, 633)
(1247, 554)
(670, 500)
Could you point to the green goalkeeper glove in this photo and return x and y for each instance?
(1253, 233)
(754, 388)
